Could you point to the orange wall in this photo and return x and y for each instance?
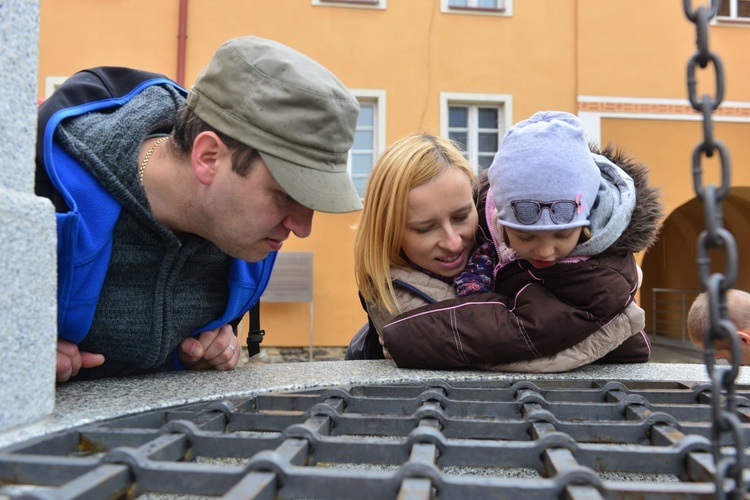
(667, 148)
(83, 33)
(337, 313)
(546, 55)
(640, 48)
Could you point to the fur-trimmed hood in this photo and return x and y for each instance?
(648, 211)
(641, 231)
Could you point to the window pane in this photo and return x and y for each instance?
(363, 139)
(458, 137)
(488, 4)
(359, 183)
(724, 8)
(458, 116)
(365, 115)
(480, 138)
(488, 143)
(488, 118)
(457, 3)
(361, 163)
(743, 8)
(485, 161)
(362, 153)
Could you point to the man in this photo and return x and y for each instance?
(170, 210)
(738, 307)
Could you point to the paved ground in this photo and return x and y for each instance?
(294, 355)
(664, 350)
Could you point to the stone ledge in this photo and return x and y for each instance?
(79, 403)
(28, 259)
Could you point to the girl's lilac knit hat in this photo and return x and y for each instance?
(544, 159)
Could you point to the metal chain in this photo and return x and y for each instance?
(725, 421)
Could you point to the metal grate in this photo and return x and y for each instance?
(491, 439)
(669, 310)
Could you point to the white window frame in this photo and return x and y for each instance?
(732, 18)
(504, 9)
(51, 83)
(376, 97)
(502, 101)
(374, 4)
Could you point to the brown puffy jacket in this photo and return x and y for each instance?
(556, 307)
(547, 316)
(415, 289)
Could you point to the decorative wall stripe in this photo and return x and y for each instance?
(591, 110)
(652, 108)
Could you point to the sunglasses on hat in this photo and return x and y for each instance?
(527, 212)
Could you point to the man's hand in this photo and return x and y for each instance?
(70, 360)
(218, 349)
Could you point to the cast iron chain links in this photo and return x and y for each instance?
(724, 419)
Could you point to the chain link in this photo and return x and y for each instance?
(726, 427)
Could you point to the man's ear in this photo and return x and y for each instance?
(744, 337)
(207, 150)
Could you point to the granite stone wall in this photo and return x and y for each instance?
(28, 263)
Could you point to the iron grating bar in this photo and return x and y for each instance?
(490, 439)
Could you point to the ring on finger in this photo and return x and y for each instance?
(234, 349)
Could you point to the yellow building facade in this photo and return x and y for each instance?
(425, 65)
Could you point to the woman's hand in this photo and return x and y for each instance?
(217, 349)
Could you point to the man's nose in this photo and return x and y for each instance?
(299, 221)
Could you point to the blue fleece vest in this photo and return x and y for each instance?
(84, 235)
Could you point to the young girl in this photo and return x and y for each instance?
(558, 263)
(543, 183)
(416, 233)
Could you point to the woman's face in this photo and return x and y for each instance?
(440, 223)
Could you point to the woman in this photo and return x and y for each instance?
(416, 233)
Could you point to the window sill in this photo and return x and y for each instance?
(733, 21)
(477, 9)
(355, 2)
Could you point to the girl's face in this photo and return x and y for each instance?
(441, 219)
(543, 248)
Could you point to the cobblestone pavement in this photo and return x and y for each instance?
(293, 355)
(669, 350)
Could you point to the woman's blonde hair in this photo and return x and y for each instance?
(409, 162)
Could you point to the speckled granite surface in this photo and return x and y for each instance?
(84, 402)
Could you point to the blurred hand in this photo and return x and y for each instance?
(70, 360)
(218, 349)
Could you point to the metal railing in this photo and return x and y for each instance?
(669, 309)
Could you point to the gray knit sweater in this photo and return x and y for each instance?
(158, 288)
